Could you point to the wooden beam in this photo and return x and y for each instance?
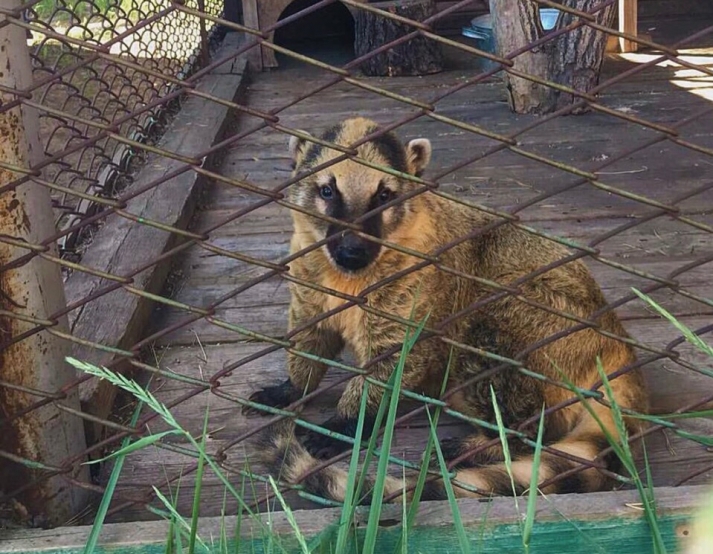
(628, 23)
(596, 522)
(121, 246)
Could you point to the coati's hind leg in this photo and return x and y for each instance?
(346, 421)
(516, 396)
(479, 449)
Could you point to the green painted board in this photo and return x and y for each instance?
(610, 522)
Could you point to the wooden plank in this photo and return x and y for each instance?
(628, 23)
(32, 435)
(602, 522)
(251, 20)
(118, 319)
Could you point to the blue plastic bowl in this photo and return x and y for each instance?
(548, 18)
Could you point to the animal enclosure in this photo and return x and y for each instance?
(179, 277)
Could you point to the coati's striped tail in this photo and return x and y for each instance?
(288, 460)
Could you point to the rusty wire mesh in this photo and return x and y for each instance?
(83, 152)
(110, 64)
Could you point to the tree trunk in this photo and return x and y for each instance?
(418, 56)
(573, 59)
(34, 366)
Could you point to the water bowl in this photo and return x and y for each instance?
(548, 18)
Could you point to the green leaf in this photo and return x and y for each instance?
(143, 442)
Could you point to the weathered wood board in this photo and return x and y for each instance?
(122, 246)
(601, 522)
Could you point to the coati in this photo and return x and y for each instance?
(349, 263)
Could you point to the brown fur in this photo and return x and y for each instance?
(507, 326)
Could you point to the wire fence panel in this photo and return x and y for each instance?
(107, 64)
(622, 189)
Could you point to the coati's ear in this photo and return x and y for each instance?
(298, 146)
(418, 154)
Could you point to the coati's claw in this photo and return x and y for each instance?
(451, 448)
(277, 396)
(322, 446)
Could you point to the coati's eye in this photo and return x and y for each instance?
(326, 192)
(385, 195)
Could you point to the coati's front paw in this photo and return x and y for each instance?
(453, 448)
(323, 447)
(277, 396)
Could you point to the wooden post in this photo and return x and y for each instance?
(251, 19)
(628, 23)
(48, 435)
(573, 59)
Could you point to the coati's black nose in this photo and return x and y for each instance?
(352, 252)
(351, 257)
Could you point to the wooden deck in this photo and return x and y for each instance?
(661, 172)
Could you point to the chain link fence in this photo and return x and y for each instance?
(108, 64)
(105, 80)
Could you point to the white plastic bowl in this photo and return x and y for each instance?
(548, 19)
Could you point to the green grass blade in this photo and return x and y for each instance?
(177, 536)
(658, 418)
(129, 386)
(371, 447)
(646, 497)
(199, 486)
(690, 336)
(347, 515)
(502, 432)
(290, 517)
(448, 486)
(151, 401)
(382, 467)
(93, 539)
(425, 461)
(223, 529)
(532, 493)
(179, 519)
(142, 442)
(239, 519)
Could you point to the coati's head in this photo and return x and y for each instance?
(347, 190)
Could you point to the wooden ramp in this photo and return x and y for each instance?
(663, 172)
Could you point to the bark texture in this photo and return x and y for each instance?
(418, 56)
(573, 59)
